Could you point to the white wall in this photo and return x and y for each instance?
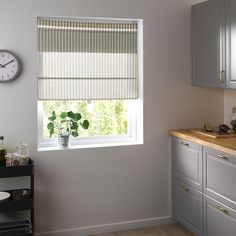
(78, 188)
(229, 103)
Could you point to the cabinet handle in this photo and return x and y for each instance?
(222, 157)
(185, 188)
(222, 77)
(185, 144)
(223, 209)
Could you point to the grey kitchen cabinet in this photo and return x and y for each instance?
(187, 206)
(187, 162)
(219, 219)
(203, 191)
(230, 43)
(187, 184)
(219, 176)
(209, 44)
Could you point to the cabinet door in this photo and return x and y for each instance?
(231, 44)
(219, 220)
(187, 162)
(208, 44)
(219, 176)
(187, 206)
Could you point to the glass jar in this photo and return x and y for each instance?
(22, 150)
(22, 153)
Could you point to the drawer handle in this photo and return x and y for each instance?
(185, 144)
(185, 188)
(222, 157)
(222, 77)
(223, 210)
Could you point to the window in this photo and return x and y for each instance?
(93, 66)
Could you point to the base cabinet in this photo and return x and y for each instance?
(187, 162)
(187, 206)
(219, 176)
(219, 219)
(207, 211)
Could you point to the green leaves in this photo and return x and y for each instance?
(77, 116)
(53, 117)
(50, 127)
(63, 115)
(74, 125)
(66, 123)
(74, 116)
(71, 114)
(85, 124)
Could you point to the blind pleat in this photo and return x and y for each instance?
(87, 60)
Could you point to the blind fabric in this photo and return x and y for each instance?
(87, 60)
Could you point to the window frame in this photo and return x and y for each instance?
(135, 117)
(133, 136)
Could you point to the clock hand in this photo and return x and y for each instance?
(8, 63)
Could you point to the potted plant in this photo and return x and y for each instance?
(65, 124)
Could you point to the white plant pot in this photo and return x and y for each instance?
(63, 141)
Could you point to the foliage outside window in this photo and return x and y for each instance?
(106, 117)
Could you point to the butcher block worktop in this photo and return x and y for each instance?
(227, 145)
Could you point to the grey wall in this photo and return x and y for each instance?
(78, 188)
(197, 1)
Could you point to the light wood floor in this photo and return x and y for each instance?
(163, 230)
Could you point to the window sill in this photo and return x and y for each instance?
(83, 146)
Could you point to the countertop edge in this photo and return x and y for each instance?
(208, 142)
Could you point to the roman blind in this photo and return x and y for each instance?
(87, 59)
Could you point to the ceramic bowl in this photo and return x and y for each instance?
(4, 196)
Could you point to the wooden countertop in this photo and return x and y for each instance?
(227, 145)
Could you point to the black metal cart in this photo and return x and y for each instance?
(18, 205)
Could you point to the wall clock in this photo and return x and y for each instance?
(9, 66)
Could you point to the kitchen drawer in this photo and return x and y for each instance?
(219, 219)
(187, 162)
(219, 176)
(187, 206)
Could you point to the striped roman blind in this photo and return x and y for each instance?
(89, 59)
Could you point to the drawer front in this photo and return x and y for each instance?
(187, 162)
(219, 220)
(220, 176)
(187, 206)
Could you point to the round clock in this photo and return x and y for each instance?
(9, 66)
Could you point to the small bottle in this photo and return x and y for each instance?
(3, 152)
(233, 118)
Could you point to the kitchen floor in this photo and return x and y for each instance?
(163, 230)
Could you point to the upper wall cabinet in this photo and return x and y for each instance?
(209, 44)
(231, 43)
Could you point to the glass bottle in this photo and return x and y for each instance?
(3, 151)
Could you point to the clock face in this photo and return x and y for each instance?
(9, 66)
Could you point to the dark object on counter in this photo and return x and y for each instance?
(21, 194)
(224, 128)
